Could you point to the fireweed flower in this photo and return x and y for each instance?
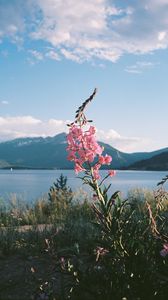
(112, 173)
(100, 252)
(107, 159)
(164, 251)
(84, 150)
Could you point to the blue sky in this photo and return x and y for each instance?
(53, 53)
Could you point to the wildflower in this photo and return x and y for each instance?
(107, 159)
(100, 251)
(101, 160)
(71, 156)
(96, 174)
(83, 147)
(112, 173)
(78, 168)
(95, 197)
(164, 251)
(92, 130)
(76, 131)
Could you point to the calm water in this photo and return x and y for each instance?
(30, 185)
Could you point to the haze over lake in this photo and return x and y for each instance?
(30, 185)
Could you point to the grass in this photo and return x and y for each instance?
(71, 256)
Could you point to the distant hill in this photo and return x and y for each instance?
(50, 153)
(158, 162)
(123, 160)
(40, 153)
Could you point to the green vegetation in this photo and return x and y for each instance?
(156, 162)
(62, 249)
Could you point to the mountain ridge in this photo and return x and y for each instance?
(50, 153)
(159, 162)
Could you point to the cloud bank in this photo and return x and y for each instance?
(86, 30)
(28, 126)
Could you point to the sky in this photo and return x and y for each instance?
(53, 53)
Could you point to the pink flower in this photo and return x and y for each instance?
(82, 154)
(71, 156)
(78, 168)
(96, 174)
(96, 171)
(107, 159)
(92, 130)
(90, 156)
(101, 159)
(112, 173)
(76, 131)
(164, 251)
(99, 149)
(83, 148)
(100, 252)
(95, 197)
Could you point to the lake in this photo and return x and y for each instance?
(31, 185)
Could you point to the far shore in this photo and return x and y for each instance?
(44, 169)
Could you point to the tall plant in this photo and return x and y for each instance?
(88, 157)
(127, 242)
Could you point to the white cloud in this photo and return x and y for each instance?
(36, 54)
(102, 29)
(70, 55)
(122, 143)
(28, 126)
(52, 55)
(139, 67)
(85, 30)
(12, 21)
(162, 35)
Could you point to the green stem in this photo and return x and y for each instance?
(104, 179)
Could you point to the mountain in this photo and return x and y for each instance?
(35, 153)
(157, 162)
(50, 152)
(123, 160)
